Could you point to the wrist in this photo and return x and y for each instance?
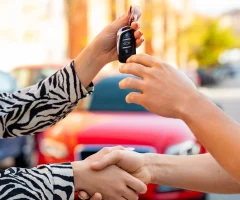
(92, 56)
(150, 159)
(160, 168)
(97, 53)
(87, 65)
(79, 171)
(189, 105)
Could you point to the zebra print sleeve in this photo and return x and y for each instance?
(33, 109)
(45, 182)
(30, 111)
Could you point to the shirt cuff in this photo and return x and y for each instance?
(63, 181)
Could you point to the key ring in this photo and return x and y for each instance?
(135, 14)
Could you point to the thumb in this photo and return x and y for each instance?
(109, 159)
(121, 21)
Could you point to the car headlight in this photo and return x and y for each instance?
(185, 148)
(53, 148)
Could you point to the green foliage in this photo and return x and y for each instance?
(206, 40)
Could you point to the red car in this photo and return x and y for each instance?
(109, 121)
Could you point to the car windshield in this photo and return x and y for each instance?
(108, 97)
(7, 83)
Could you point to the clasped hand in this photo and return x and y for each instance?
(123, 175)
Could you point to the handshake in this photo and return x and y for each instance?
(113, 173)
(117, 173)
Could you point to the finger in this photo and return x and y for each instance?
(134, 97)
(130, 194)
(134, 69)
(139, 42)
(123, 198)
(96, 196)
(83, 195)
(143, 59)
(109, 159)
(131, 83)
(107, 150)
(135, 25)
(136, 185)
(138, 34)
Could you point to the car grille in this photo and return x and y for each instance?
(84, 151)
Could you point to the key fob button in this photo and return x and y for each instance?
(127, 35)
(127, 50)
(126, 43)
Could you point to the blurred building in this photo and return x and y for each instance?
(162, 23)
(231, 19)
(168, 21)
(32, 32)
(43, 31)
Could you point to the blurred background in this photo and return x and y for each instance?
(200, 37)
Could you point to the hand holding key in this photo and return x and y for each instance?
(105, 46)
(126, 43)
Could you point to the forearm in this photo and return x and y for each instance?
(33, 109)
(219, 134)
(46, 182)
(199, 173)
(88, 63)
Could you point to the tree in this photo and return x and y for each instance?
(147, 26)
(77, 26)
(206, 40)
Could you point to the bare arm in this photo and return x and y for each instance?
(169, 93)
(199, 173)
(216, 131)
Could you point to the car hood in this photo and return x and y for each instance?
(126, 128)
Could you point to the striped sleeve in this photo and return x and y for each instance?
(33, 109)
(45, 182)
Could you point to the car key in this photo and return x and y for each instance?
(126, 43)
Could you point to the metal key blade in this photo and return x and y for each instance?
(135, 14)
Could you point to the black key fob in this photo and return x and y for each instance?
(126, 43)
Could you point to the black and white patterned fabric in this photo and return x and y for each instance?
(30, 111)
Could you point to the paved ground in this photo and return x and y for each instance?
(227, 95)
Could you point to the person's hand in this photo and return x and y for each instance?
(104, 44)
(125, 186)
(164, 90)
(97, 196)
(103, 49)
(136, 164)
(84, 195)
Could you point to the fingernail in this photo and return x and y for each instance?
(128, 60)
(129, 99)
